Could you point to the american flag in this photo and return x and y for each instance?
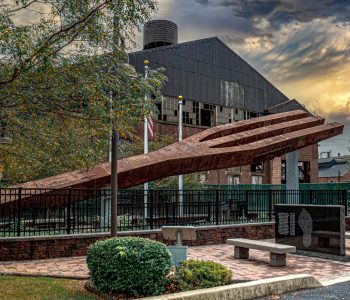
(150, 128)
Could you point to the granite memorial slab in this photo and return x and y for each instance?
(313, 228)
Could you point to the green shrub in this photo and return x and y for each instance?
(130, 265)
(194, 274)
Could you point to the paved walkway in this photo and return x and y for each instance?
(256, 267)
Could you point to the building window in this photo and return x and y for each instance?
(304, 176)
(206, 115)
(232, 180)
(257, 179)
(257, 168)
(203, 178)
(195, 107)
(246, 115)
(303, 172)
(196, 111)
(186, 118)
(283, 171)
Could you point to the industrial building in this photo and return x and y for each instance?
(334, 169)
(219, 87)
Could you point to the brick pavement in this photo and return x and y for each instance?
(256, 267)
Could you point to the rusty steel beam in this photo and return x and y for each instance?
(230, 145)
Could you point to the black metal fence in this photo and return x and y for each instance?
(31, 212)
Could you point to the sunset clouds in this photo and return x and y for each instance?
(302, 47)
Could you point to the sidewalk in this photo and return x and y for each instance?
(256, 267)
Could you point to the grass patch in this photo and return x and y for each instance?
(42, 288)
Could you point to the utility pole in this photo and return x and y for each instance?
(114, 186)
(145, 147)
(117, 44)
(181, 177)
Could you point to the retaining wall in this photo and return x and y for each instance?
(44, 247)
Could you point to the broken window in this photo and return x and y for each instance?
(257, 168)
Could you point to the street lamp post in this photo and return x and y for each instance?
(181, 179)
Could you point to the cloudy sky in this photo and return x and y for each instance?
(302, 46)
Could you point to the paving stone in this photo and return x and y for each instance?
(255, 267)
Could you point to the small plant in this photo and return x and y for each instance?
(194, 274)
(131, 265)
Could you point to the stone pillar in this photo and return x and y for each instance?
(292, 177)
(292, 170)
(241, 253)
(277, 260)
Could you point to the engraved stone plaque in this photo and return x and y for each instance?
(311, 228)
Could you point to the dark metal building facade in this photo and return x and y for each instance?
(210, 72)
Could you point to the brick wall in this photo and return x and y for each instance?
(275, 166)
(164, 128)
(345, 178)
(26, 248)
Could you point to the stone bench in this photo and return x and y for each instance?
(277, 251)
(325, 238)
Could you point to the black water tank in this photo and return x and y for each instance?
(159, 33)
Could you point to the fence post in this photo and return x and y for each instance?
(19, 211)
(151, 208)
(69, 204)
(311, 196)
(217, 204)
(174, 213)
(209, 211)
(345, 201)
(270, 205)
(167, 211)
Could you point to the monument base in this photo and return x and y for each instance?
(345, 258)
(178, 253)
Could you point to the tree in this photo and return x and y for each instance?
(57, 75)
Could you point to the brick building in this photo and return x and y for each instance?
(334, 169)
(218, 87)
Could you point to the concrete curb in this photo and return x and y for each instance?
(336, 281)
(248, 290)
(238, 291)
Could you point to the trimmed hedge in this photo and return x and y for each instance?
(195, 274)
(131, 265)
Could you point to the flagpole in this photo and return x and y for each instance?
(145, 146)
(181, 182)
